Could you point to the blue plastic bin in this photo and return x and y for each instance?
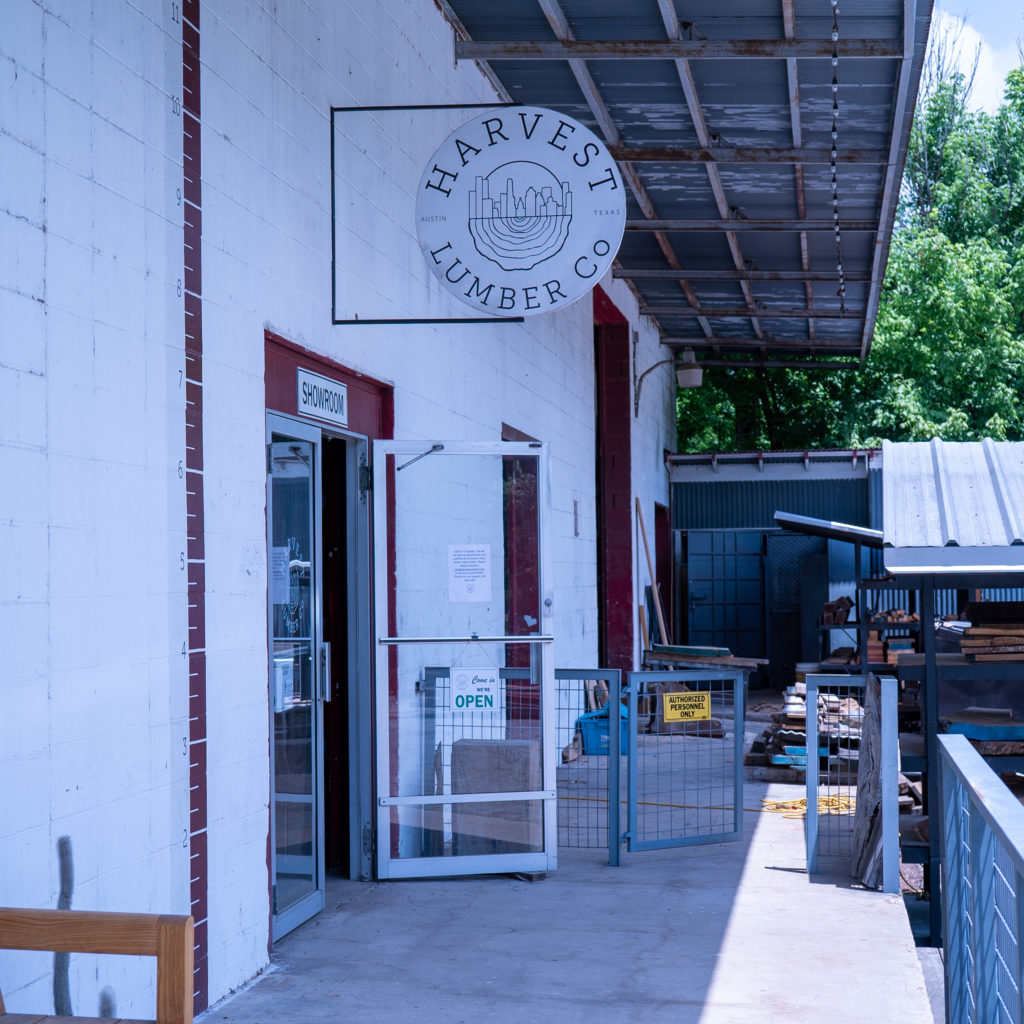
(593, 730)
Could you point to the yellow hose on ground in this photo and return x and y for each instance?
(837, 804)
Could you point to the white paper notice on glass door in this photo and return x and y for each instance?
(279, 575)
(469, 572)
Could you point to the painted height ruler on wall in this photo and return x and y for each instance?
(186, 16)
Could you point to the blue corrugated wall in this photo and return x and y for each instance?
(751, 505)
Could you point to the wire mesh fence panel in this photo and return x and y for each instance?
(685, 778)
(835, 720)
(1007, 939)
(480, 738)
(583, 717)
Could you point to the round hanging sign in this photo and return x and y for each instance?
(520, 211)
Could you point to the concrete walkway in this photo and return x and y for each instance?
(724, 934)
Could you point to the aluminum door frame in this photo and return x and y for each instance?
(541, 645)
(736, 676)
(314, 902)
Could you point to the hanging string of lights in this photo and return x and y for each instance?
(835, 153)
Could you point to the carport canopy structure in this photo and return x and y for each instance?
(762, 143)
(952, 520)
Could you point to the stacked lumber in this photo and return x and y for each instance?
(840, 721)
(836, 613)
(911, 794)
(897, 645)
(999, 642)
(841, 656)
(894, 617)
(783, 743)
(876, 647)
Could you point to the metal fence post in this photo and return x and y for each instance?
(632, 761)
(889, 781)
(738, 727)
(614, 754)
(811, 775)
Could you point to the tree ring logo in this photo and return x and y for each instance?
(520, 211)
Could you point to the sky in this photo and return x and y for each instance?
(998, 25)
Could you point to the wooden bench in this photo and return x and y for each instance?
(167, 937)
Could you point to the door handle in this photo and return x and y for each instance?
(325, 672)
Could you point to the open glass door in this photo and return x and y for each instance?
(297, 666)
(465, 752)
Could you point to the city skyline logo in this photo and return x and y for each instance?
(525, 224)
(520, 211)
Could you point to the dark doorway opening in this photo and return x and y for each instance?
(336, 556)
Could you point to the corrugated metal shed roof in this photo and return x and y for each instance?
(747, 133)
(953, 507)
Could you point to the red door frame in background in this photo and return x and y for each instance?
(614, 411)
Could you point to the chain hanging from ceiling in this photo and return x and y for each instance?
(834, 154)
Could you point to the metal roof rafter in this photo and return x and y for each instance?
(749, 225)
(779, 364)
(639, 273)
(560, 26)
(672, 49)
(673, 30)
(763, 312)
(709, 154)
(793, 82)
(849, 346)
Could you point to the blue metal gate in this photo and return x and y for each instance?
(685, 758)
(655, 760)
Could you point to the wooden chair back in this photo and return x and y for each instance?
(167, 937)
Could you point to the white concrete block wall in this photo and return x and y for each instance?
(92, 420)
(94, 712)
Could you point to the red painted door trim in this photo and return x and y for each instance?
(371, 413)
(614, 488)
(371, 408)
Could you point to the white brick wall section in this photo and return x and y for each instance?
(88, 511)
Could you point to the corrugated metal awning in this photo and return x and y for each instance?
(953, 507)
(721, 116)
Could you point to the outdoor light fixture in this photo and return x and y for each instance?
(688, 373)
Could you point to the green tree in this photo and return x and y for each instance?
(948, 356)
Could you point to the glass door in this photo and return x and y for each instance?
(464, 673)
(298, 663)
